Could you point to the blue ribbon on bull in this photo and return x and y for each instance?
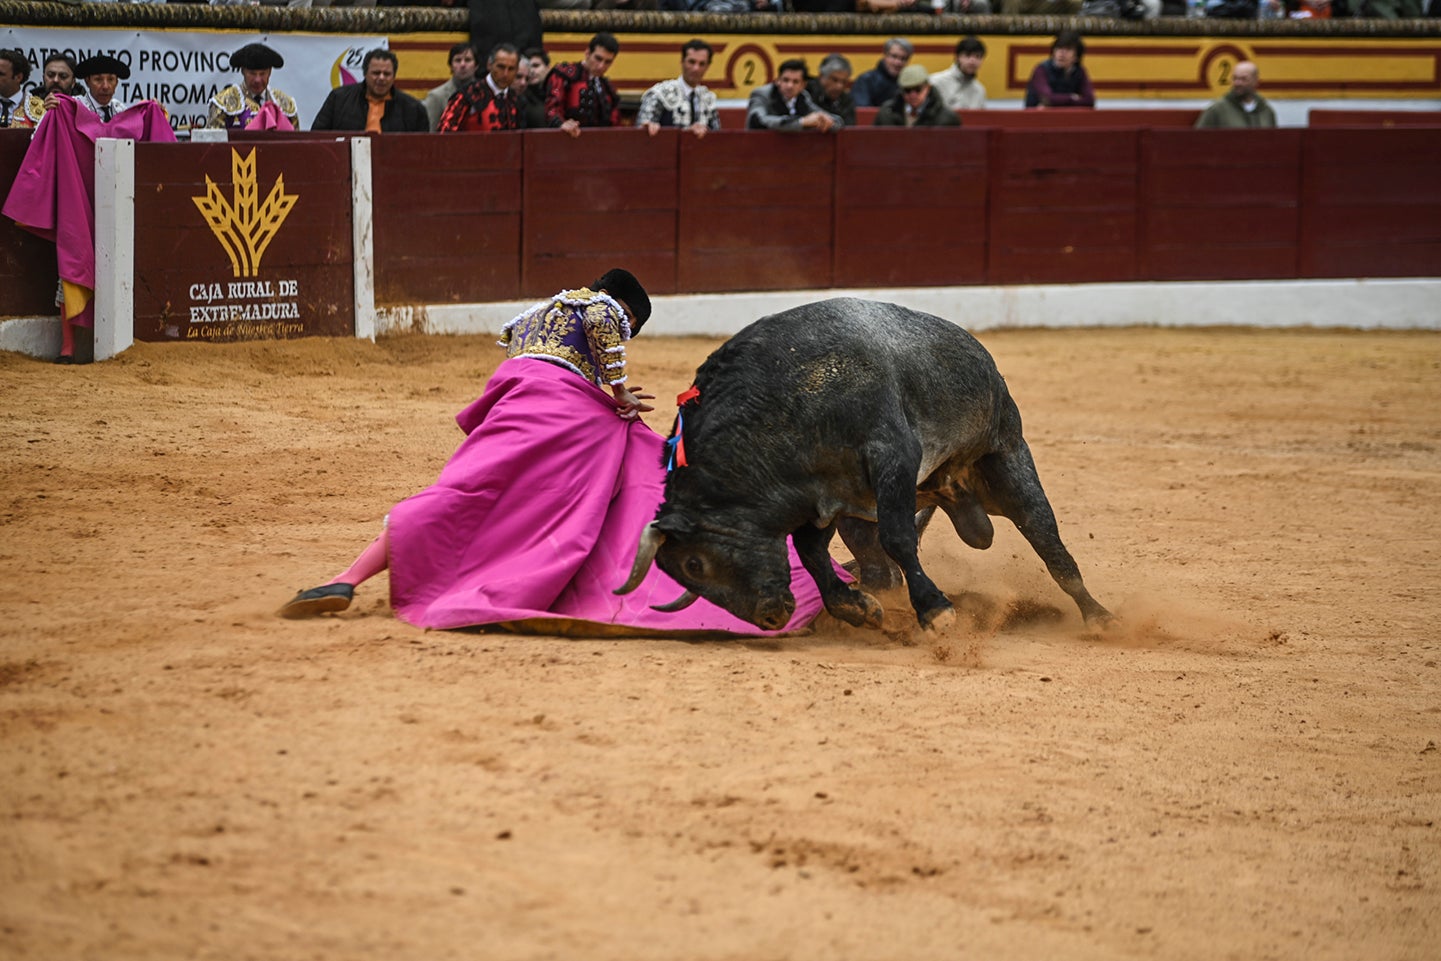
(675, 446)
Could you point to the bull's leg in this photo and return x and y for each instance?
(862, 538)
(894, 480)
(842, 601)
(1011, 488)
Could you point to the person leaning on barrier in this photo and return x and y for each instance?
(373, 104)
(682, 101)
(831, 88)
(784, 104)
(57, 76)
(1062, 81)
(957, 85)
(916, 105)
(579, 95)
(464, 64)
(1242, 106)
(487, 103)
(235, 106)
(875, 87)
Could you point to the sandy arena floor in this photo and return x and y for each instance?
(1248, 769)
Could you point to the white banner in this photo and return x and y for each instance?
(182, 70)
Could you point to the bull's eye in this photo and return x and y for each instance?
(693, 566)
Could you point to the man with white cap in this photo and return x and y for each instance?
(238, 104)
(916, 105)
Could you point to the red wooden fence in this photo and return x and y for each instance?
(485, 217)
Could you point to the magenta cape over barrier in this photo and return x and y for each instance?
(54, 191)
(538, 515)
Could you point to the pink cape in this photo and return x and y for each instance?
(54, 191)
(270, 117)
(538, 514)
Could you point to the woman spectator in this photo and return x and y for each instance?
(1062, 81)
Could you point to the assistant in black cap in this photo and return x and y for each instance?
(622, 285)
(101, 64)
(235, 107)
(256, 56)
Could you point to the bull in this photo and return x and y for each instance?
(844, 415)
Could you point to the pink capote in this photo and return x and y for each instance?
(270, 117)
(538, 514)
(54, 192)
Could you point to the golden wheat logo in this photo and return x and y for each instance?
(243, 226)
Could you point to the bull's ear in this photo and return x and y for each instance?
(676, 523)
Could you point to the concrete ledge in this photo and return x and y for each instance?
(1407, 304)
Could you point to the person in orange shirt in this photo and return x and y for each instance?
(373, 104)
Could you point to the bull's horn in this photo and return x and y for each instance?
(650, 541)
(679, 604)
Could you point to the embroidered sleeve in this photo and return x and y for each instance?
(649, 107)
(606, 328)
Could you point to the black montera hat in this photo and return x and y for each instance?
(622, 284)
(101, 63)
(256, 56)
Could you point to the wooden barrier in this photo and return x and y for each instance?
(1371, 203)
(604, 199)
(485, 217)
(28, 274)
(270, 260)
(756, 211)
(448, 217)
(1063, 205)
(911, 211)
(1317, 117)
(1220, 207)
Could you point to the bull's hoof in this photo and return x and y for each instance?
(939, 619)
(857, 609)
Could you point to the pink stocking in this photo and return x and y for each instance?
(371, 561)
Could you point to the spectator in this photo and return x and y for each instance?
(875, 87)
(1242, 106)
(579, 95)
(916, 105)
(373, 104)
(893, 6)
(1392, 9)
(535, 62)
(823, 6)
(463, 66)
(1122, 9)
(14, 71)
(965, 8)
(487, 103)
(1062, 81)
(58, 76)
(784, 104)
(102, 75)
(684, 101)
(533, 109)
(1041, 8)
(831, 90)
(957, 85)
(236, 105)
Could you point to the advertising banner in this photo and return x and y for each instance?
(243, 241)
(182, 69)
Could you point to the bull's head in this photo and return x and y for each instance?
(747, 574)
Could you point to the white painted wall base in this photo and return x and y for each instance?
(35, 336)
(1361, 304)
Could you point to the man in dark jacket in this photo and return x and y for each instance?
(373, 104)
(875, 87)
(831, 88)
(916, 105)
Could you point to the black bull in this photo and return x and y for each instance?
(852, 415)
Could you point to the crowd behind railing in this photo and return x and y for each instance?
(517, 88)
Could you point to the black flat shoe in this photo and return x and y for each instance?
(319, 600)
(64, 359)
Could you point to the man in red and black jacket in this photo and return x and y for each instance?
(578, 95)
(488, 103)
